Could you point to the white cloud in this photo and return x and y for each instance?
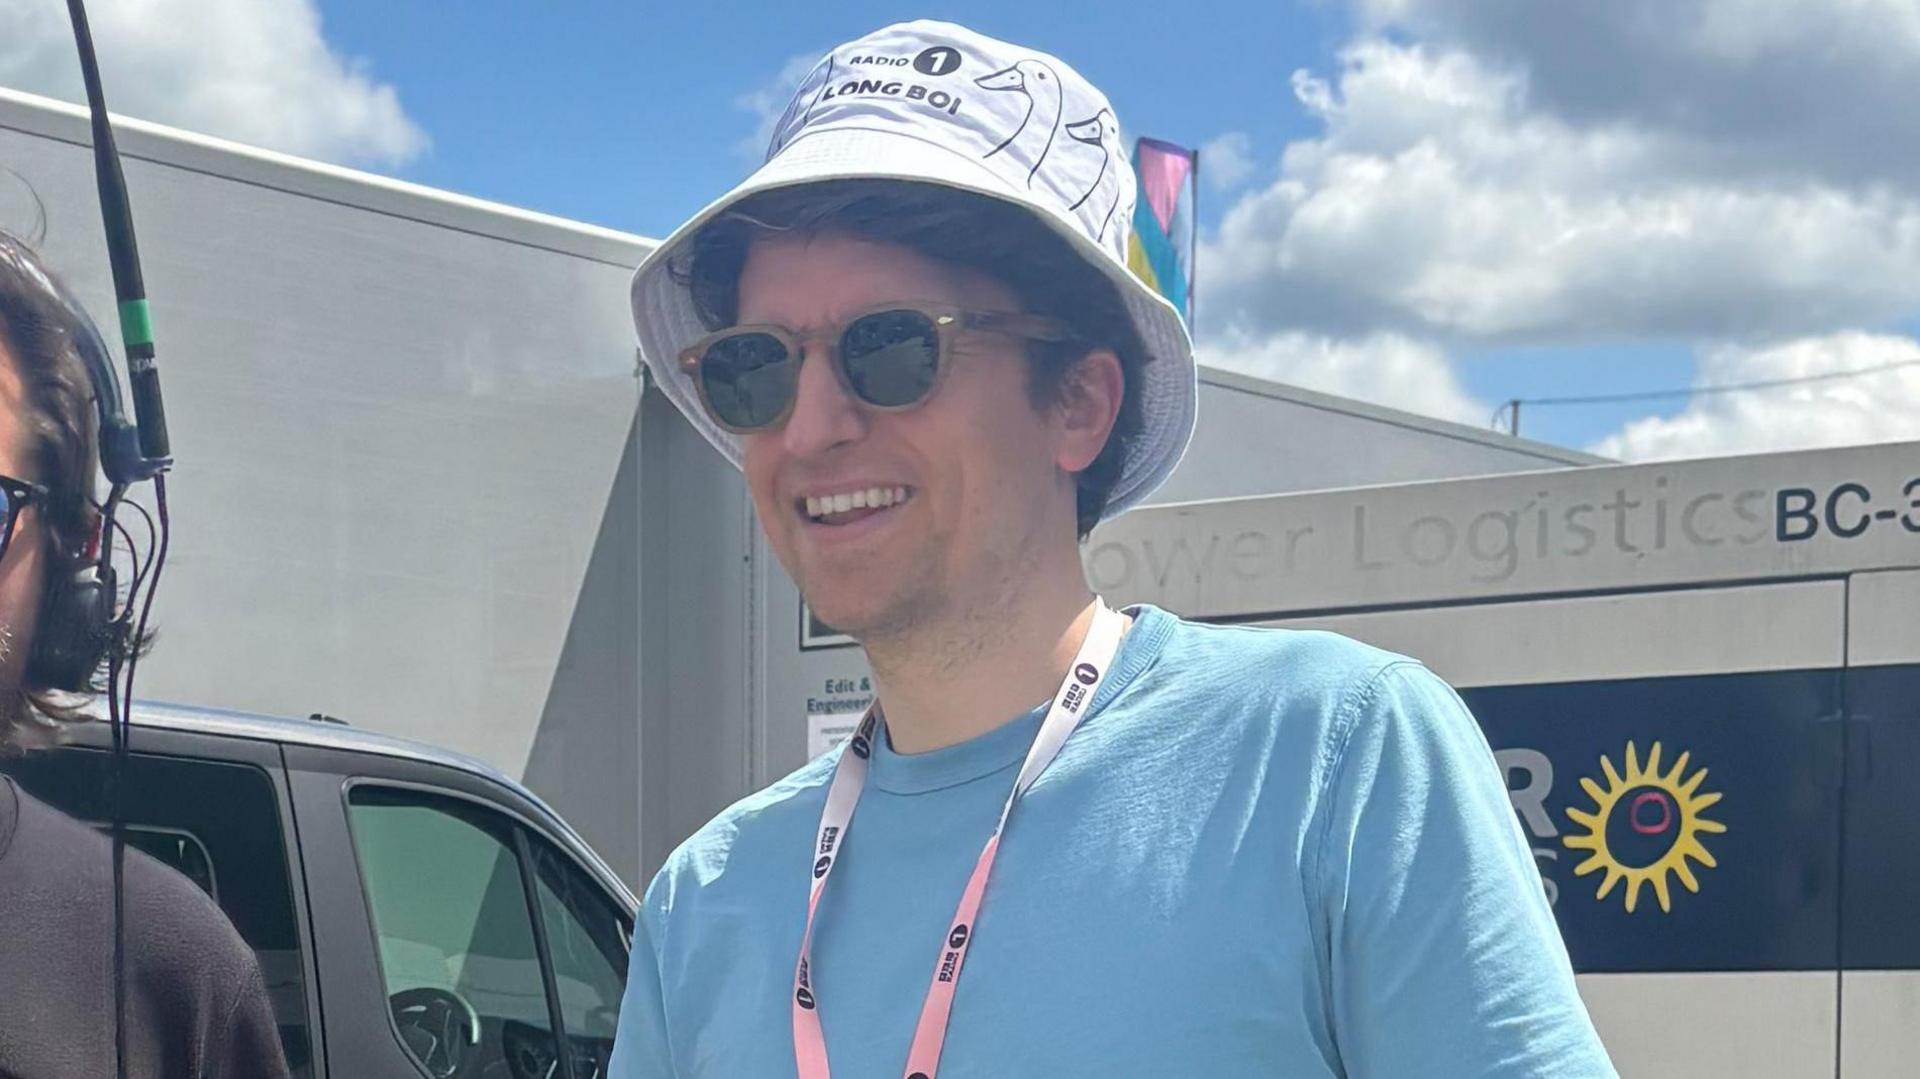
(255, 71)
(1880, 407)
(1440, 204)
(769, 100)
(1385, 369)
(1802, 88)
(1741, 176)
(1227, 162)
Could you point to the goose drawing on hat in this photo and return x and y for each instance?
(805, 97)
(1102, 132)
(1033, 139)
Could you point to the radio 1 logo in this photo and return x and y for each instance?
(1637, 826)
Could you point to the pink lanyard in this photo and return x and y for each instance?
(850, 776)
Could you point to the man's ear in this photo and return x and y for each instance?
(1089, 403)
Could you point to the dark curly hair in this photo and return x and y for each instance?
(1003, 241)
(57, 428)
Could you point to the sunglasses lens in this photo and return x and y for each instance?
(748, 379)
(891, 357)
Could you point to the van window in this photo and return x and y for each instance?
(456, 942)
(588, 939)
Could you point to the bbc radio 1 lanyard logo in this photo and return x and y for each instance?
(1644, 827)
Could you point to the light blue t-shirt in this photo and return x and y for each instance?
(1263, 853)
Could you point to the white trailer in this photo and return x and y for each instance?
(1702, 680)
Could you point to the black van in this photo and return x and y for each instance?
(416, 912)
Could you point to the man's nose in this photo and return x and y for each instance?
(824, 414)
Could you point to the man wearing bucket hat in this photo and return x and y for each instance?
(1150, 847)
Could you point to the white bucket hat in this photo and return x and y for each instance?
(937, 103)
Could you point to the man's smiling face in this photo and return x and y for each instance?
(965, 483)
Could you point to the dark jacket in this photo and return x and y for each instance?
(196, 1006)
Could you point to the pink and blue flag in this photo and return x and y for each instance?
(1162, 248)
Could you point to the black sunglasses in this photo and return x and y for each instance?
(16, 495)
(891, 359)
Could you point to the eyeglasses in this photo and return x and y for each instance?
(892, 359)
(16, 495)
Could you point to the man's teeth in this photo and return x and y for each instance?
(871, 498)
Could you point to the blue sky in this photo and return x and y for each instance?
(1432, 204)
(627, 114)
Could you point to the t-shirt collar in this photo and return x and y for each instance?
(1006, 745)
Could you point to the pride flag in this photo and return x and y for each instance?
(1161, 249)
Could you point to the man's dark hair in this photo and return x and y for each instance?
(57, 431)
(1005, 242)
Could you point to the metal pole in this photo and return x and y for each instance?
(1193, 269)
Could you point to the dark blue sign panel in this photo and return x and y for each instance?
(1681, 824)
(1880, 928)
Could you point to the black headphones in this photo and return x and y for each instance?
(78, 624)
(77, 628)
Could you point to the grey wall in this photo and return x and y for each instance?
(397, 416)
(697, 648)
(586, 753)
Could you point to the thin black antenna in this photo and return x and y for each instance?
(129, 288)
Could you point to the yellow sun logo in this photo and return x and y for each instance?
(1644, 827)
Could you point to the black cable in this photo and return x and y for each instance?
(109, 508)
(120, 698)
(109, 521)
(119, 874)
(142, 568)
(116, 777)
(148, 517)
(153, 585)
(127, 538)
(1729, 387)
(1725, 387)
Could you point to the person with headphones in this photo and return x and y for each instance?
(1066, 840)
(195, 1006)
